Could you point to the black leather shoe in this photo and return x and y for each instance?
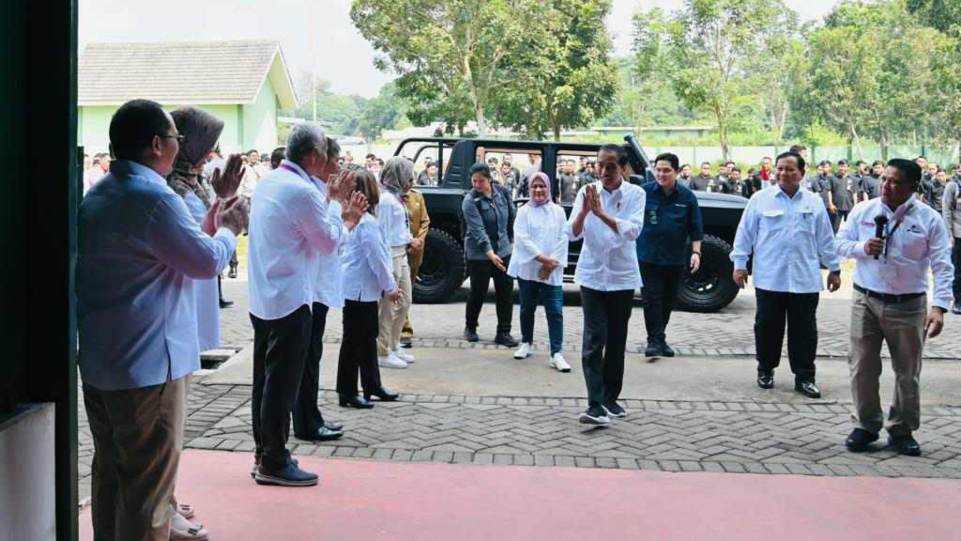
(384, 395)
(505, 339)
(765, 380)
(807, 388)
(232, 273)
(226, 304)
(666, 350)
(652, 350)
(288, 476)
(860, 440)
(956, 308)
(355, 401)
(336, 427)
(471, 335)
(323, 434)
(905, 445)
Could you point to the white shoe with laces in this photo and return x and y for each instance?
(557, 361)
(404, 356)
(391, 361)
(523, 352)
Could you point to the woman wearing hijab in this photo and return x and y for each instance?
(200, 131)
(396, 176)
(368, 278)
(540, 254)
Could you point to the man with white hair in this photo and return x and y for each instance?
(290, 227)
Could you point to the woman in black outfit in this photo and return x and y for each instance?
(489, 214)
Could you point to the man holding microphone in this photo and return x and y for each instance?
(895, 240)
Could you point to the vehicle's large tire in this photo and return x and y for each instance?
(712, 287)
(443, 269)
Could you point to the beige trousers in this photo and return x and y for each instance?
(901, 325)
(408, 330)
(393, 315)
(137, 435)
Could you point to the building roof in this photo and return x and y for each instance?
(183, 73)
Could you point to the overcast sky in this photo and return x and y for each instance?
(315, 34)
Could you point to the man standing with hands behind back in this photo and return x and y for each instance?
(788, 231)
(608, 215)
(890, 302)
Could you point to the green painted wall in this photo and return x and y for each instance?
(245, 126)
(260, 120)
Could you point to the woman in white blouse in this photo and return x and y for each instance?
(367, 278)
(395, 177)
(540, 254)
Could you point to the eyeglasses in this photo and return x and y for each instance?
(180, 138)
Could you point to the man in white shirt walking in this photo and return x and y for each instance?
(608, 215)
(788, 232)
(890, 285)
(290, 226)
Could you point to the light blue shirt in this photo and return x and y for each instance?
(368, 271)
(920, 242)
(139, 249)
(789, 237)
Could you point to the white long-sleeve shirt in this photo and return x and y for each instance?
(919, 242)
(608, 260)
(789, 236)
(539, 231)
(367, 267)
(290, 226)
(328, 279)
(392, 216)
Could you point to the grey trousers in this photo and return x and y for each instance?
(137, 436)
(901, 325)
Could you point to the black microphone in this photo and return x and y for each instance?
(880, 222)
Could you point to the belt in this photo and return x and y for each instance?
(888, 298)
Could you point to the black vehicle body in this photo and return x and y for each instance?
(443, 269)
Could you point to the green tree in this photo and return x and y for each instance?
(562, 75)
(340, 113)
(711, 48)
(380, 113)
(447, 55)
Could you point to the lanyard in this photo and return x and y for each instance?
(293, 170)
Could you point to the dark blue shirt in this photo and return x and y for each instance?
(668, 222)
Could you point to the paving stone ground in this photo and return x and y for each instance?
(719, 436)
(728, 332)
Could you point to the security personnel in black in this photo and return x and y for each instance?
(671, 217)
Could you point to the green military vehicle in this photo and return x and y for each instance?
(444, 270)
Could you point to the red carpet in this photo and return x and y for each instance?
(359, 499)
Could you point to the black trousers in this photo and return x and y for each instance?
(480, 273)
(358, 351)
(280, 348)
(800, 310)
(956, 260)
(306, 413)
(661, 283)
(606, 314)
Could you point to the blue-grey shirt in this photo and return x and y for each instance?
(488, 221)
(669, 220)
(138, 250)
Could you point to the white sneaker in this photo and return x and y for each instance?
(406, 357)
(523, 352)
(391, 361)
(557, 361)
(182, 529)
